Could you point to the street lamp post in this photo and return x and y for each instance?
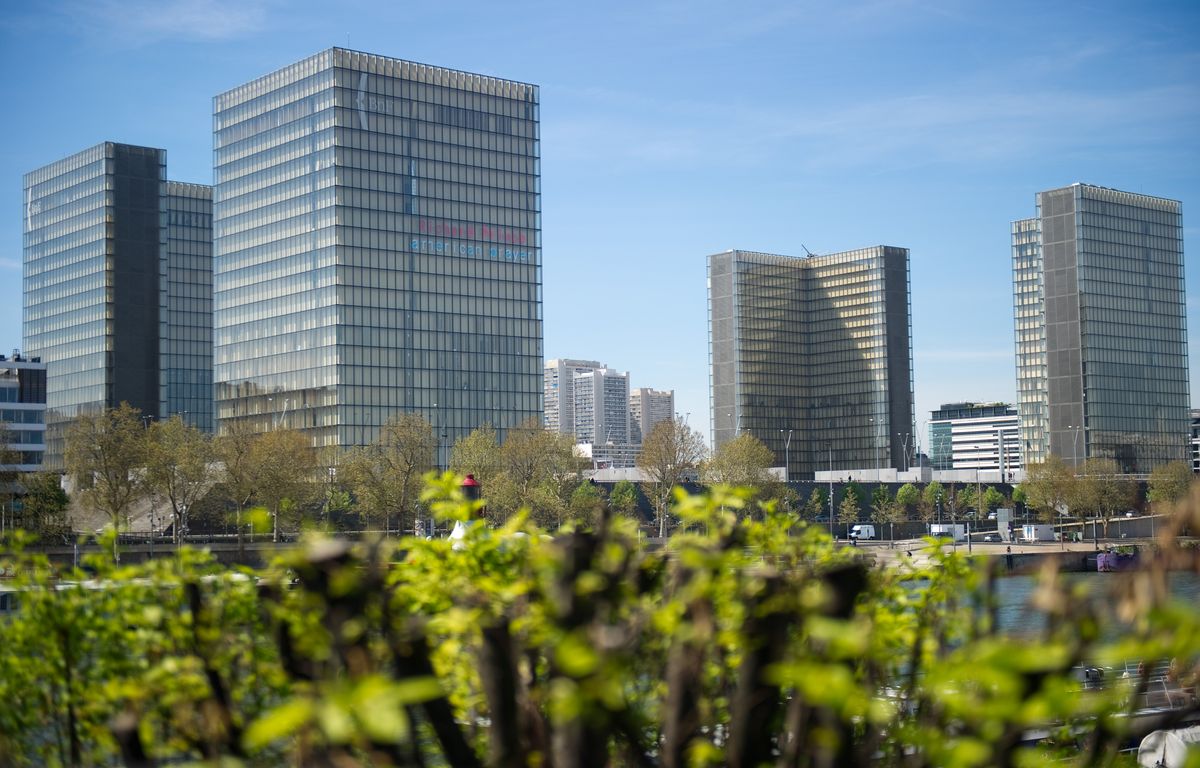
(831, 488)
(787, 456)
(1075, 443)
(904, 461)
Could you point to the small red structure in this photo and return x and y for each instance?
(471, 488)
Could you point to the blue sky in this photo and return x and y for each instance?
(672, 130)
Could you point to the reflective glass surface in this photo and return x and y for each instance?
(91, 265)
(377, 249)
(1113, 326)
(186, 306)
(820, 346)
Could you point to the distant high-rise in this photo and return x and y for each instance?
(818, 349)
(377, 249)
(98, 240)
(22, 413)
(1101, 333)
(975, 436)
(648, 407)
(601, 408)
(559, 394)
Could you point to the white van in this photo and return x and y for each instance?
(862, 532)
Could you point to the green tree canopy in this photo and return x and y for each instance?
(1169, 483)
(623, 499)
(932, 496)
(179, 467)
(385, 476)
(106, 455)
(742, 461)
(817, 504)
(908, 497)
(43, 507)
(670, 453)
(477, 454)
(1049, 487)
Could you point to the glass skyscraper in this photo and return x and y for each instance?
(1101, 328)
(817, 347)
(185, 318)
(377, 249)
(96, 245)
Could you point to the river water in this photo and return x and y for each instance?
(1016, 616)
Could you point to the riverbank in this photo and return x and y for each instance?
(1079, 556)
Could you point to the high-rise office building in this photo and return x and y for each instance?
(648, 407)
(601, 407)
(186, 306)
(377, 249)
(98, 241)
(1101, 328)
(975, 436)
(813, 356)
(558, 377)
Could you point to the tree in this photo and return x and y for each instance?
(908, 498)
(1169, 483)
(623, 499)
(284, 466)
(670, 452)
(1048, 487)
(477, 454)
(385, 476)
(881, 501)
(587, 502)
(816, 505)
(848, 509)
(965, 503)
(537, 470)
(43, 507)
(106, 455)
(178, 467)
(234, 450)
(1019, 497)
(992, 499)
(932, 498)
(742, 461)
(1102, 491)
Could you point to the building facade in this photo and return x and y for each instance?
(1195, 441)
(185, 308)
(648, 407)
(1101, 333)
(23, 413)
(981, 436)
(558, 377)
(101, 263)
(601, 407)
(814, 349)
(377, 249)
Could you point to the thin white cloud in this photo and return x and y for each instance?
(184, 20)
(10, 264)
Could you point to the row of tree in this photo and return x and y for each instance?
(120, 460)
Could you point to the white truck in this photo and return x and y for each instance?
(862, 532)
(952, 531)
(1034, 532)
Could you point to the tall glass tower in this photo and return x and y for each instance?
(92, 255)
(377, 249)
(1101, 328)
(818, 349)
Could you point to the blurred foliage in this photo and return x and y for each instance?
(748, 639)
